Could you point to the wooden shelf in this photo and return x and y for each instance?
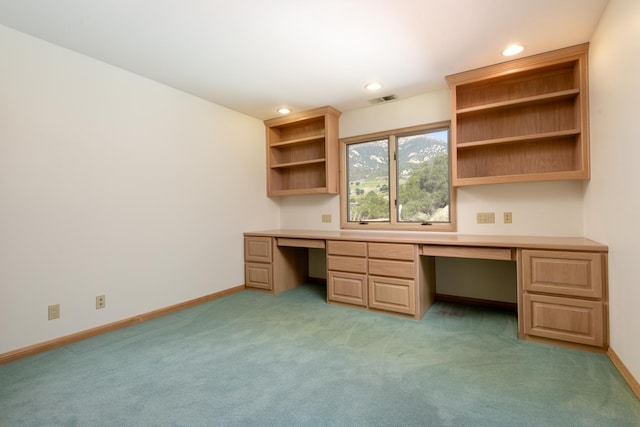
(542, 159)
(302, 153)
(522, 120)
(531, 100)
(549, 176)
(304, 140)
(517, 139)
(298, 192)
(300, 163)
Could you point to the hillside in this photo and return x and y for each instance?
(370, 160)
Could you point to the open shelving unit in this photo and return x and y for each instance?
(522, 120)
(302, 153)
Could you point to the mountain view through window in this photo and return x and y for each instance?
(403, 178)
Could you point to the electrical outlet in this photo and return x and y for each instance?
(54, 311)
(326, 217)
(486, 217)
(101, 302)
(508, 217)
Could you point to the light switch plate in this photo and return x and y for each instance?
(486, 217)
(54, 311)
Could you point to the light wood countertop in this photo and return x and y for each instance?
(444, 239)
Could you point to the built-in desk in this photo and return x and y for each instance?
(561, 281)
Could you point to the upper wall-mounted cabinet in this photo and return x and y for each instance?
(302, 153)
(522, 120)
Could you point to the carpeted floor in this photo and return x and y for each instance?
(251, 359)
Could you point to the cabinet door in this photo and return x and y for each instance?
(392, 294)
(576, 274)
(257, 249)
(564, 319)
(258, 275)
(348, 288)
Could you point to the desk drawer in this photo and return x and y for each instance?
(258, 275)
(576, 274)
(339, 247)
(564, 319)
(399, 251)
(301, 243)
(257, 249)
(381, 267)
(468, 252)
(349, 264)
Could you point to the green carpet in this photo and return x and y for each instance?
(251, 359)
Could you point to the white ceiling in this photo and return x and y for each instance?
(256, 55)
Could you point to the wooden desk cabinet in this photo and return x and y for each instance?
(376, 276)
(347, 272)
(562, 282)
(392, 277)
(273, 266)
(258, 259)
(564, 296)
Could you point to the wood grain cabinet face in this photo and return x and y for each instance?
(576, 274)
(348, 264)
(347, 272)
(564, 296)
(397, 251)
(257, 249)
(564, 319)
(349, 288)
(258, 275)
(392, 270)
(258, 266)
(392, 294)
(392, 260)
(356, 249)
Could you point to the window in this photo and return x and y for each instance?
(398, 180)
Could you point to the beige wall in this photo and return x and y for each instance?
(114, 184)
(612, 198)
(547, 208)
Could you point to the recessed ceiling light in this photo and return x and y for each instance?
(284, 110)
(373, 86)
(514, 49)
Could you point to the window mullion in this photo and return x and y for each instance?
(393, 185)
